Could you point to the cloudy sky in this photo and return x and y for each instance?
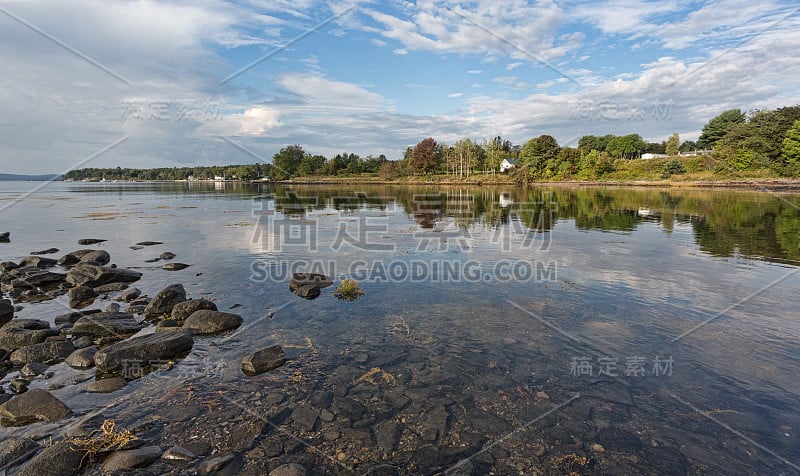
(144, 83)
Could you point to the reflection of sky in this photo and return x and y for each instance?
(633, 289)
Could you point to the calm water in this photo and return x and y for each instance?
(515, 331)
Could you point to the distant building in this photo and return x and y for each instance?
(653, 156)
(219, 178)
(507, 164)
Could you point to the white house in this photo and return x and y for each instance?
(507, 163)
(653, 156)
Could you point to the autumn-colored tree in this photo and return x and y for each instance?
(424, 156)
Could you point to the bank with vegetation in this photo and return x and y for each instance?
(761, 144)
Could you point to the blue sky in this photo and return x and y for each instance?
(98, 83)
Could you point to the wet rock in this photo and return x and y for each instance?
(136, 308)
(263, 361)
(6, 311)
(58, 459)
(206, 321)
(153, 260)
(174, 266)
(167, 325)
(31, 277)
(183, 310)
(487, 423)
(305, 417)
(91, 275)
(82, 358)
(154, 347)
(113, 307)
(165, 300)
(107, 385)
(228, 464)
(130, 295)
(7, 266)
(129, 459)
(14, 451)
(18, 385)
(326, 415)
(308, 291)
(52, 351)
(388, 436)
(81, 297)
(73, 258)
(89, 241)
(72, 317)
(82, 342)
(321, 399)
(108, 324)
(48, 251)
(167, 255)
(111, 288)
(149, 243)
(289, 469)
(304, 279)
(617, 439)
(38, 262)
(136, 247)
(179, 454)
(33, 369)
(348, 408)
(5, 237)
(34, 405)
(100, 257)
(19, 333)
(84, 425)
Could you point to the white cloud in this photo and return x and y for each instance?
(400, 51)
(475, 71)
(510, 82)
(513, 66)
(455, 95)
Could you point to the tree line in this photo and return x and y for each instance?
(758, 140)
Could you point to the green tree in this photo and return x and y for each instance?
(673, 145)
(688, 146)
(286, 161)
(791, 146)
(719, 126)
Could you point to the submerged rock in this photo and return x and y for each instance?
(314, 279)
(129, 459)
(32, 406)
(107, 385)
(38, 262)
(89, 241)
(174, 266)
(166, 256)
(308, 291)
(263, 361)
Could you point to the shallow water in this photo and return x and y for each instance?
(515, 331)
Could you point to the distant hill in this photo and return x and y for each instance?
(36, 178)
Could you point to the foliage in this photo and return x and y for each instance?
(424, 156)
(719, 126)
(672, 167)
(287, 161)
(791, 146)
(673, 145)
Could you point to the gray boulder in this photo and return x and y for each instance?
(81, 296)
(165, 300)
(38, 262)
(144, 350)
(107, 385)
(288, 469)
(100, 257)
(264, 360)
(92, 275)
(113, 324)
(130, 459)
(14, 451)
(6, 311)
(58, 459)
(48, 352)
(206, 321)
(18, 333)
(82, 358)
(183, 310)
(32, 406)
